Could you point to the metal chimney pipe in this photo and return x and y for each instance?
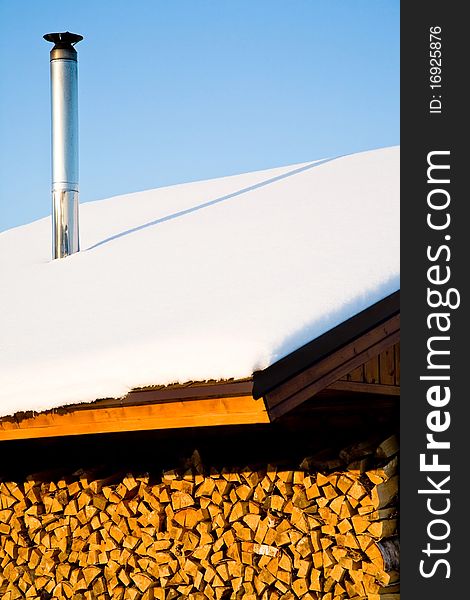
(64, 99)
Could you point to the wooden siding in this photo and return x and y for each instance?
(383, 369)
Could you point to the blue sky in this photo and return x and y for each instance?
(180, 90)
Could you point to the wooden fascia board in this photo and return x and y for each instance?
(330, 369)
(322, 347)
(236, 410)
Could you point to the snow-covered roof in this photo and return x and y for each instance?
(205, 280)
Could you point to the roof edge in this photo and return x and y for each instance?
(267, 379)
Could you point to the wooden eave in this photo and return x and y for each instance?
(323, 362)
(192, 405)
(319, 365)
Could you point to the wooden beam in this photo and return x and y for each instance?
(237, 410)
(365, 388)
(327, 371)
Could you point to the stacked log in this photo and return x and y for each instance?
(326, 530)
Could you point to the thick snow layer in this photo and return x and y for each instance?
(205, 280)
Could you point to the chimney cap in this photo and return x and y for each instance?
(64, 39)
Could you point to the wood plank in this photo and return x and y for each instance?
(387, 366)
(355, 375)
(293, 400)
(386, 369)
(397, 364)
(167, 415)
(189, 391)
(365, 388)
(348, 358)
(220, 389)
(329, 370)
(324, 346)
(371, 370)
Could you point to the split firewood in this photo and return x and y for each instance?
(326, 530)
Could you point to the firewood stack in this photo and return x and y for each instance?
(324, 531)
